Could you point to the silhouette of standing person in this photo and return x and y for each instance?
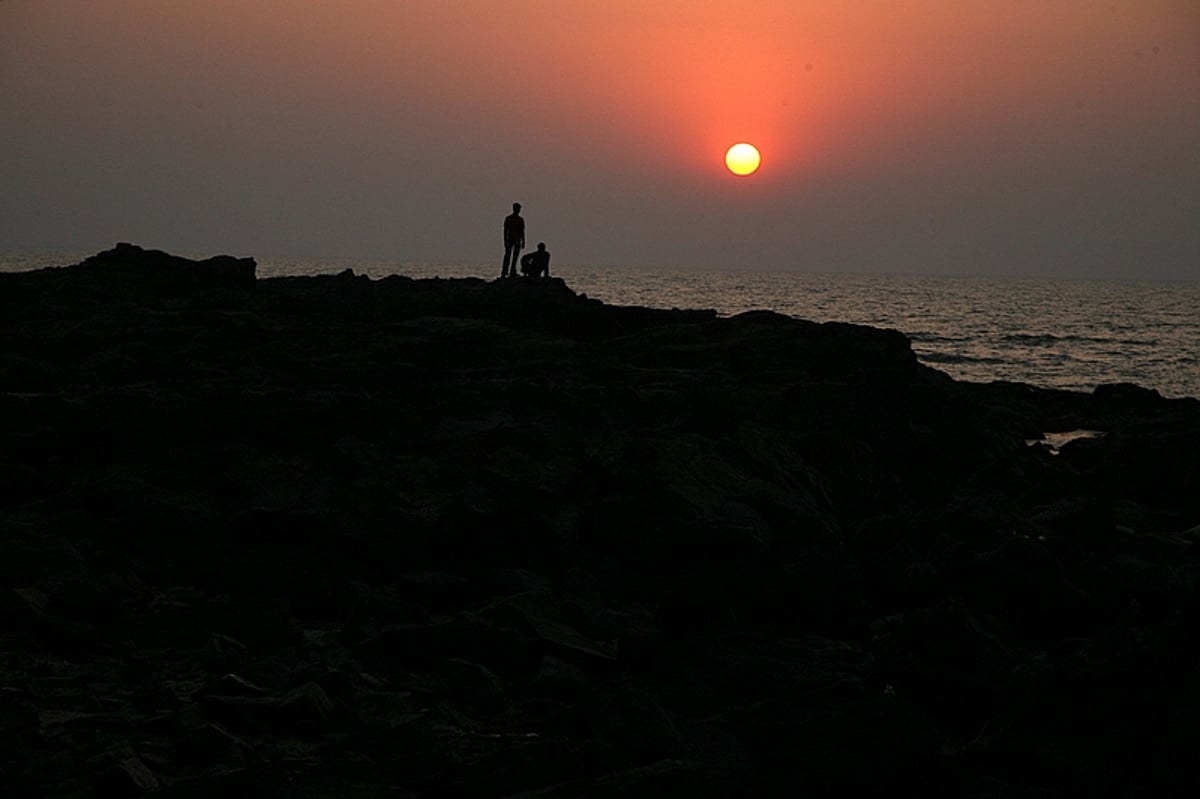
(514, 240)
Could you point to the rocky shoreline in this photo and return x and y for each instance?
(330, 536)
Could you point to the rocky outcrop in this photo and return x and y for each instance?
(338, 536)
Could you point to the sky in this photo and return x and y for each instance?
(998, 137)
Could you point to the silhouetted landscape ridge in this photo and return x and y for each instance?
(318, 536)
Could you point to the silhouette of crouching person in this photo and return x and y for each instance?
(536, 263)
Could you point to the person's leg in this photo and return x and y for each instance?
(508, 253)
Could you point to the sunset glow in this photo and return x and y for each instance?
(931, 134)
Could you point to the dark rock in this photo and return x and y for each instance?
(141, 269)
(1126, 394)
(637, 724)
(202, 743)
(438, 589)
(309, 707)
(224, 781)
(561, 678)
(18, 714)
(127, 777)
(475, 685)
(381, 604)
(233, 685)
(21, 607)
(247, 714)
(265, 622)
(223, 653)
(663, 778)
(465, 636)
(306, 708)
(342, 536)
(520, 581)
(527, 614)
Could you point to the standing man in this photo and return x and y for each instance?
(514, 241)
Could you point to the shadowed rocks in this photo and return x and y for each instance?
(339, 536)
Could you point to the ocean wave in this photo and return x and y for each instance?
(1033, 338)
(957, 358)
(1052, 339)
(924, 336)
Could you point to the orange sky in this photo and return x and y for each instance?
(929, 135)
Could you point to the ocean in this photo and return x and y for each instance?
(1070, 334)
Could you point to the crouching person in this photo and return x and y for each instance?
(536, 263)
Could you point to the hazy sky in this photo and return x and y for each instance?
(1032, 137)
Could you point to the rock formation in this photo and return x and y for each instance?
(332, 536)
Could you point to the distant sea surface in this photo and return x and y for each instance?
(1071, 334)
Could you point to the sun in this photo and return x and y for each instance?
(742, 158)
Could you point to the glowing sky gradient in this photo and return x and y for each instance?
(1033, 137)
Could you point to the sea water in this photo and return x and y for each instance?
(1071, 334)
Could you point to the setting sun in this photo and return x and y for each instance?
(742, 158)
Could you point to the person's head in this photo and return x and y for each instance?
(541, 245)
(516, 208)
